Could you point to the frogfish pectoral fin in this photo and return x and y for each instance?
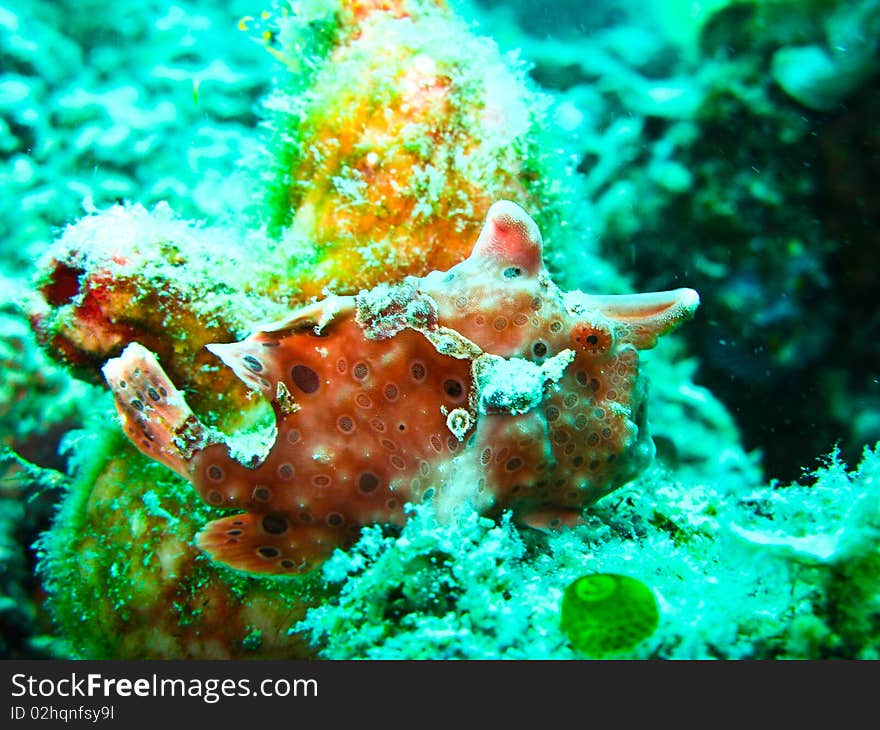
(267, 543)
(642, 318)
(154, 414)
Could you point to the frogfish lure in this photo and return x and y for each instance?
(485, 382)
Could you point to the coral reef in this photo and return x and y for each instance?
(740, 571)
(100, 105)
(97, 104)
(726, 146)
(828, 537)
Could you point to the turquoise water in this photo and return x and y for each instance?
(732, 148)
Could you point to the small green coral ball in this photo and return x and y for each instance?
(604, 614)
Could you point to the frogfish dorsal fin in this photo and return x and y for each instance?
(642, 318)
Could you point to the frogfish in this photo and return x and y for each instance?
(484, 383)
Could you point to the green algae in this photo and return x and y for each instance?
(604, 614)
(305, 40)
(122, 579)
(517, 156)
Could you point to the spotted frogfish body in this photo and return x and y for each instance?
(485, 382)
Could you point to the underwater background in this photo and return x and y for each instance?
(161, 185)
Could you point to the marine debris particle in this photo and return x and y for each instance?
(487, 367)
(515, 385)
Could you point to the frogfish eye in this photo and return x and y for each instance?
(593, 337)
